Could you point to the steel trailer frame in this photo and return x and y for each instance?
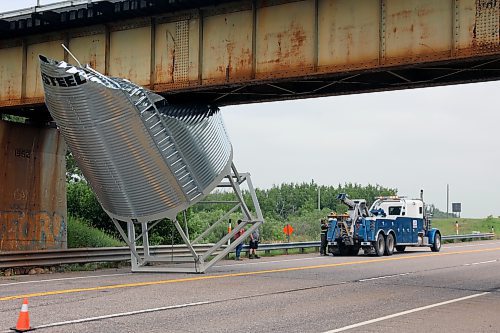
(196, 263)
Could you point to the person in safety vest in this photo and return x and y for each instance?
(324, 243)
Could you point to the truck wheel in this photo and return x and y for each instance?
(379, 245)
(344, 250)
(354, 250)
(436, 246)
(389, 245)
(400, 248)
(335, 251)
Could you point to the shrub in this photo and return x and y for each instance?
(80, 234)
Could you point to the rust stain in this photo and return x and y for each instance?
(230, 45)
(404, 14)
(425, 11)
(289, 46)
(93, 60)
(485, 33)
(33, 193)
(12, 92)
(171, 68)
(350, 43)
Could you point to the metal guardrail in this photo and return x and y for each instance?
(88, 255)
(115, 254)
(469, 236)
(284, 246)
(304, 245)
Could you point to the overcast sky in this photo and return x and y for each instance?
(411, 140)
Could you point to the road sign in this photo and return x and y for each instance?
(456, 207)
(288, 229)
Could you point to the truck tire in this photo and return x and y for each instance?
(334, 250)
(400, 248)
(344, 250)
(379, 245)
(354, 250)
(389, 245)
(436, 245)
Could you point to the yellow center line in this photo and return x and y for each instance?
(210, 277)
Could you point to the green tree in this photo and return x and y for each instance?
(73, 172)
(12, 118)
(83, 203)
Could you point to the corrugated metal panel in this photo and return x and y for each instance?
(144, 161)
(33, 188)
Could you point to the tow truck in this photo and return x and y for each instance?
(391, 223)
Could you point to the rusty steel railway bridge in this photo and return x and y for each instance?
(220, 52)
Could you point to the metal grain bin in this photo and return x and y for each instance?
(144, 158)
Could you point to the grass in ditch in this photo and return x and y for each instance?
(93, 266)
(80, 234)
(468, 226)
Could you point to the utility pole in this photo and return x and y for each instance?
(447, 200)
(319, 198)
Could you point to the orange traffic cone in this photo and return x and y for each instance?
(23, 322)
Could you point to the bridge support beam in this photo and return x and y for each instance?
(246, 51)
(32, 188)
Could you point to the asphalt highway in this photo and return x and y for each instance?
(455, 290)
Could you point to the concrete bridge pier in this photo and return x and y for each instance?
(32, 187)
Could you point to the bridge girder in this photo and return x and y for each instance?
(252, 51)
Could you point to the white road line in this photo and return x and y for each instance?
(257, 262)
(384, 277)
(63, 279)
(364, 323)
(481, 262)
(408, 273)
(484, 262)
(122, 314)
